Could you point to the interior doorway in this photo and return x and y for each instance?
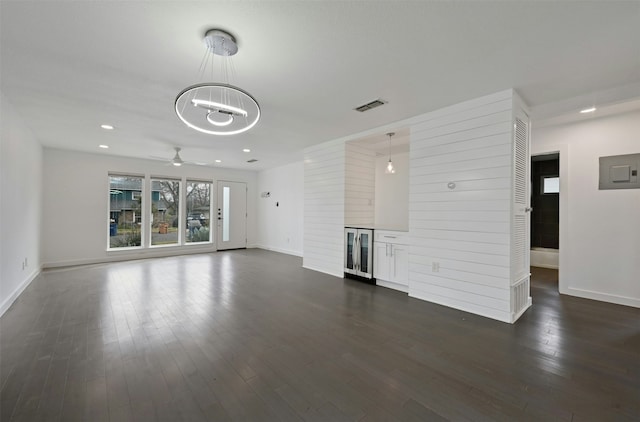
(232, 215)
(545, 217)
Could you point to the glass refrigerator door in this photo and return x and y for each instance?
(350, 251)
(365, 240)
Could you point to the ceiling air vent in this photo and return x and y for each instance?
(253, 160)
(369, 106)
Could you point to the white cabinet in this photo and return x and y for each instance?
(400, 264)
(381, 261)
(391, 260)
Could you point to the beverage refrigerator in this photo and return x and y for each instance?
(358, 254)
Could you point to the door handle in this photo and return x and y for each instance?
(357, 251)
(528, 209)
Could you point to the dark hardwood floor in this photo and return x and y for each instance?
(249, 335)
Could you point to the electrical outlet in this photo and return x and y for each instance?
(435, 267)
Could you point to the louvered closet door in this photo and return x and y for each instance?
(520, 242)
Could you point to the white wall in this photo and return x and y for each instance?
(466, 231)
(599, 229)
(392, 193)
(20, 205)
(280, 227)
(75, 204)
(324, 207)
(359, 187)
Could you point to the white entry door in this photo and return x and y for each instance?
(232, 215)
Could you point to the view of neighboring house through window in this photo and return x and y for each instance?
(125, 211)
(198, 212)
(165, 194)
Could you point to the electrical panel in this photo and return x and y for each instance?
(619, 172)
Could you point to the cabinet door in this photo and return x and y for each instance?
(400, 264)
(365, 253)
(381, 261)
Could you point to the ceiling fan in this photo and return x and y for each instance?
(177, 160)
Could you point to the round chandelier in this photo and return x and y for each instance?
(217, 108)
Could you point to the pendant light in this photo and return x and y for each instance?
(390, 169)
(217, 108)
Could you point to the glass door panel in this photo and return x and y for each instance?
(350, 246)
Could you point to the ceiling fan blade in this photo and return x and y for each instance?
(155, 157)
(199, 163)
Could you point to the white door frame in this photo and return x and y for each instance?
(563, 235)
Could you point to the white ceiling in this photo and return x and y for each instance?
(69, 66)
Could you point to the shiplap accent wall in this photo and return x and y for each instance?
(360, 189)
(324, 207)
(460, 253)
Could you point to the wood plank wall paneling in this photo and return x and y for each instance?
(360, 181)
(324, 208)
(465, 231)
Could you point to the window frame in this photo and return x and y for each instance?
(145, 213)
(109, 211)
(187, 181)
(149, 224)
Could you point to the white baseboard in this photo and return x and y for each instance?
(18, 291)
(551, 267)
(280, 250)
(604, 297)
(129, 255)
(544, 258)
(463, 306)
(517, 315)
(392, 285)
(339, 275)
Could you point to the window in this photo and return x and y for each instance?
(198, 223)
(125, 211)
(226, 191)
(550, 184)
(164, 221)
(147, 212)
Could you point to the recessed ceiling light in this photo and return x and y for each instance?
(104, 146)
(218, 161)
(107, 127)
(588, 110)
(246, 150)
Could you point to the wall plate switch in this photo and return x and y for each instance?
(435, 267)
